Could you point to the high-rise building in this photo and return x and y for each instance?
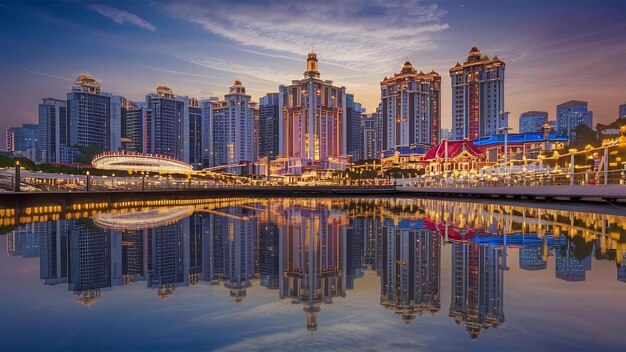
(268, 126)
(23, 141)
(53, 132)
(531, 258)
(411, 112)
(89, 113)
(354, 137)
(195, 133)
(133, 128)
(570, 115)
(313, 123)
(167, 130)
(168, 257)
(622, 111)
(478, 96)
(371, 142)
(53, 253)
(532, 121)
(233, 126)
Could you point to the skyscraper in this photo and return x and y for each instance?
(532, 121)
(354, 137)
(570, 115)
(268, 126)
(133, 128)
(195, 133)
(23, 140)
(168, 124)
(53, 132)
(478, 96)
(622, 111)
(313, 122)
(89, 114)
(411, 111)
(369, 129)
(233, 125)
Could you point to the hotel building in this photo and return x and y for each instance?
(478, 96)
(411, 112)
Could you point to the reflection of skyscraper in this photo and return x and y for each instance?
(371, 231)
(24, 240)
(477, 286)
(168, 258)
(196, 231)
(53, 256)
(312, 245)
(354, 250)
(531, 258)
(133, 264)
(231, 251)
(91, 267)
(410, 269)
(269, 254)
(568, 267)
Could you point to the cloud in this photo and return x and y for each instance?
(259, 73)
(120, 16)
(351, 33)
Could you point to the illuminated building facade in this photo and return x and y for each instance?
(93, 116)
(478, 96)
(371, 141)
(622, 111)
(195, 133)
(23, 140)
(411, 108)
(410, 270)
(532, 121)
(233, 128)
(53, 132)
(167, 127)
(531, 258)
(313, 123)
(133, 124)
(268, 125)
(572, 114)
(477, 286)
(354, 136)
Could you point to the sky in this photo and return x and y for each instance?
(554, 50)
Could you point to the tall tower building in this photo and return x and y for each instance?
(133, 128)
(313, 121)
(411, 111)
(532, 121)
(53, 131)
(233, 124)
(354, 137)
(622, 111)
(195, 133)
(168, 124)
(268, 126)
(90, 114)
(369, 129)
(23, 140)
(570, 115)
(478, 96)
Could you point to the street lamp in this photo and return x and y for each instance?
(506, 147)
(572, 152)
(88, 180)
(18, 181)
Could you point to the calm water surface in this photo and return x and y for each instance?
(315, 274)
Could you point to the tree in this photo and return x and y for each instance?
(87, 154)
(584, 136)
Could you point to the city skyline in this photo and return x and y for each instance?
(201, 49)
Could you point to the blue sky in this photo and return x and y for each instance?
(554, 50)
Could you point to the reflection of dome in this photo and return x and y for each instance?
(238, 294)
(311, 317)
(165, 292)
(139, 220)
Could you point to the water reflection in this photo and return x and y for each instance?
(311, 251)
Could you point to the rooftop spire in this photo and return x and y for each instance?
(311, 66)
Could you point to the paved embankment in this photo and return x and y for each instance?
(595, 193)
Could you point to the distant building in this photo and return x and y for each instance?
(532, 121)
(268, 125)
(445, 134)
(313, 124)
(369, 129)
(133, 128)
(531, 258)
(195, 133)
(354, 138)
(53, 132)
(167, 127)
(411, 108)
(233, 128)
(568, 267)
(23, 141)
(478, 96)
(570, 115)
(622, 111)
